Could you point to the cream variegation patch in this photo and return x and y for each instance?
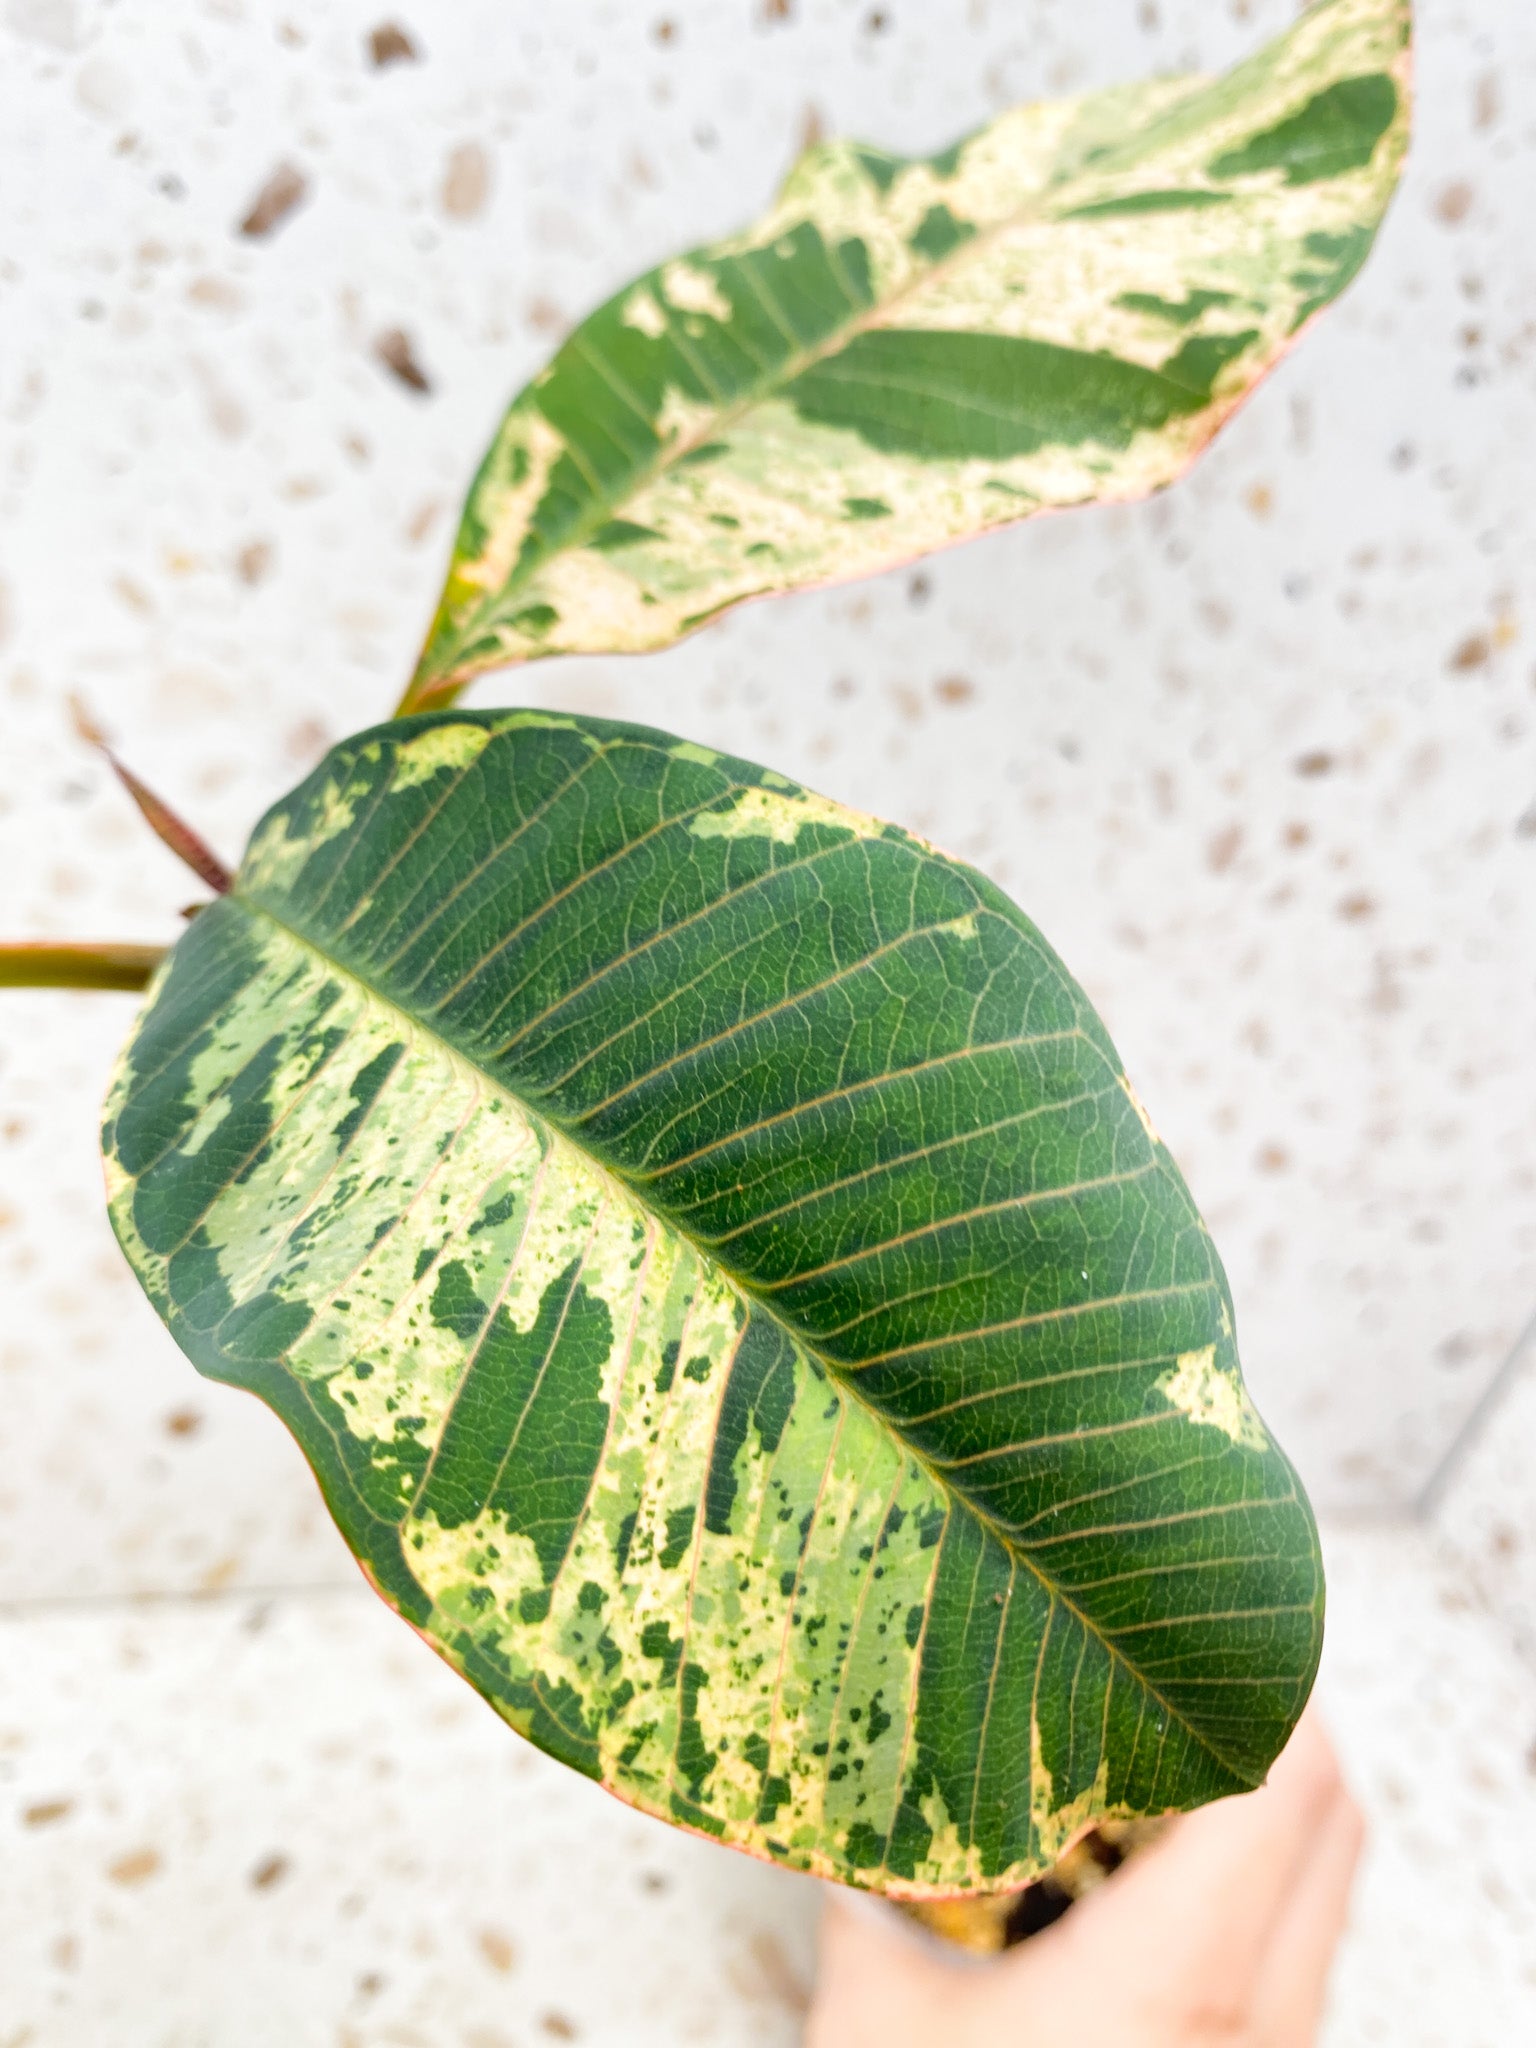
(693, 290)
(770, 814)
(641, 311)
(1058, 1823)
(1209, 1394)
(421, 757)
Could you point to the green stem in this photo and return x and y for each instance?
(26, 963)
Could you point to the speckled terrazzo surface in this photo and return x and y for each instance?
(180, 1864)
(1259, 756)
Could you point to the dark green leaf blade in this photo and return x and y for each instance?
(734, 1301)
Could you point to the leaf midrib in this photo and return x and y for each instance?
(540, 1118)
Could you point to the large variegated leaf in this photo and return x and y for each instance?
(908, 351)
(734, 1302)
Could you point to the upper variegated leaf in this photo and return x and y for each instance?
(909, 351)
(732, 1298)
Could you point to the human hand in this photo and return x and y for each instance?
(1222, 1932)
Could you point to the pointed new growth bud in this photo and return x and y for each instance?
(170, 830)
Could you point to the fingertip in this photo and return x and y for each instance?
(1308, 1767)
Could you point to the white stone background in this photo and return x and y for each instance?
(1259, 756)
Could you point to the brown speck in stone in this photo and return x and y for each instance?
(1385, 995)
(1273, 1159)
(654, 1881)
(66, 1952)
(1223, 849)
(665, 31)
(1505, 1540)
(269, 1871)
(306, 741)
(1149, 16)
(844, 687)
(497, 1950)
(371, 1983)
(253, 563)
(1317, 762)
(545, 317)
(778, 10)
(1487, 100)
(1454, 202)
(183, 1422)
(389, 44)
(813, 127)
(1525, 824)
(394, 350)
(134, 595)
(467, 181)
(1260, 501)
(216, 292)
(1355, 909)
(1473, 652)
(44, 1812)
(284, 190)
(226, 415)
(422, 520)
(877, 21)
(919, 589)
(135, 1867)
(1456, 1349)
(218, 1576)
(556, 2024)
(1296, 834)
(954, 689)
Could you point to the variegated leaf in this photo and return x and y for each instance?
(733, 1300)
(909, 351)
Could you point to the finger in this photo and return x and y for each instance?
(877, 1981)
(1293, 1979)
(1205, 1900)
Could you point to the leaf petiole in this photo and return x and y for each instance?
(97, 964)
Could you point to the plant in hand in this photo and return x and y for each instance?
(736, 1306)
